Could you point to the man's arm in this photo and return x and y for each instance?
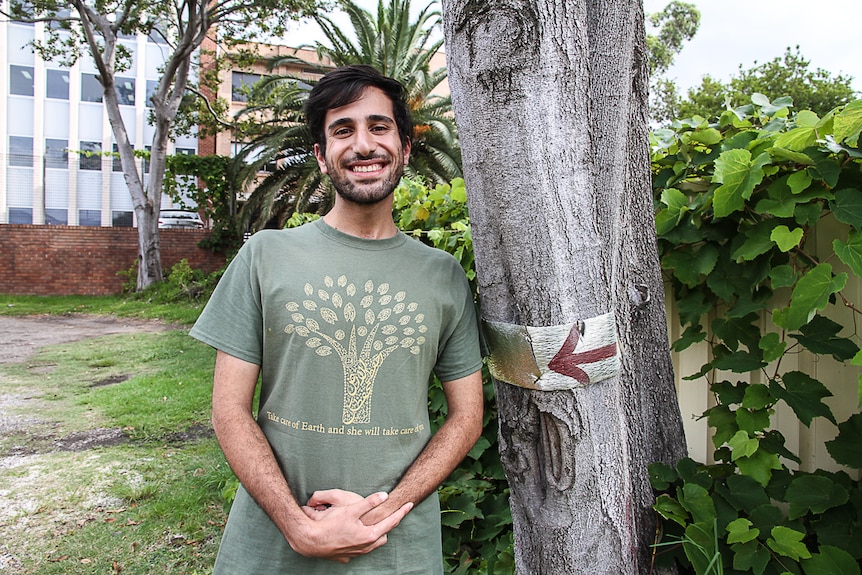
(444, 451)
(340, 535)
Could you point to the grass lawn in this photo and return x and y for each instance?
(109, 465)
(119, 305)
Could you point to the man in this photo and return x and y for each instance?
(344, 320)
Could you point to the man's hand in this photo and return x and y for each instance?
(336, 532)
(327, 498)
(324, 500)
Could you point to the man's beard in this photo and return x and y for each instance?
(364, 194)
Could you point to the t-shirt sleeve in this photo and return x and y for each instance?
(232, 319)
(460, 354)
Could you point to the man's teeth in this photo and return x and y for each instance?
(371, 168)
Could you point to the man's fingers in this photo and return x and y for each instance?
(340, 535)
(329, 497)
(369, 503)
(392, 520)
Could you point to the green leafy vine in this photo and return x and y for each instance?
(743, 207)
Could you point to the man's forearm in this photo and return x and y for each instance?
(245, 446)
(445, 450)
(250, 457)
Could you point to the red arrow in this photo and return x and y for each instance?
(566, 362)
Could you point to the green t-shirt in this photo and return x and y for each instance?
(347, 332)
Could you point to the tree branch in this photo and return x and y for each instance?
(210, 109)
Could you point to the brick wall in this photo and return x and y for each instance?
(72, 260)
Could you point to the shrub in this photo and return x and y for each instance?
(182, 283)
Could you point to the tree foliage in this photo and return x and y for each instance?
(790, 75)
(738, 204)
(98, 28)
(209, 182)
(672, 27)
(675, 25)
(391, 42)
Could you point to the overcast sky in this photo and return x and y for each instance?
(734, 32)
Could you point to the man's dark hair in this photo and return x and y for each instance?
(344, 86)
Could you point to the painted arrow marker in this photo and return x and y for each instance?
(569, 363)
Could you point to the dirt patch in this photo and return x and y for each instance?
(193, 433)
(92, 438)
(111, 380)
(22, 336)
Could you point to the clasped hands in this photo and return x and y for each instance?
(345, 525)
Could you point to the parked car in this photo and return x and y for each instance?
(180, 219)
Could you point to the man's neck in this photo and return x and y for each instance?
(373, 222)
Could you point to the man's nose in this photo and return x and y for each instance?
(364, 143)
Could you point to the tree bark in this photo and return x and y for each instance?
(550, 98)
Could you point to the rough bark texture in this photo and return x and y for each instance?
(550, 99)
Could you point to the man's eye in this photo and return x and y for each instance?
(341, 132)
(380, 129)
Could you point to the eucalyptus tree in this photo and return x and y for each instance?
(396, 44)
(95, 28)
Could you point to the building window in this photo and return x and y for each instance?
(89, 218)
(21, 151)
(125, 88)
(149, 149)
(56, 217)
(241, 84)
(21, 80)
(185, 152)
(57, 84)
(91, 89)
(90, 156)
(122, 219)
(56, 153)
(117, 165)
(152, 86)
(252, 156)
(20, 215)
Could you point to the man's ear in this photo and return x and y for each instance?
(321, 159)
(407, 147)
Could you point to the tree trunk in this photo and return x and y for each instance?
(166, 102)
(550, 98)
(149, 246)
(145, 202)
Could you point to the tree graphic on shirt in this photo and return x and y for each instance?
(363, 327)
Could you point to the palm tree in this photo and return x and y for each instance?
(391, 43)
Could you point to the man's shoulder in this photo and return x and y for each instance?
(268, 239)
(437, 257)
(417, 246)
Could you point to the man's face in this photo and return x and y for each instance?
(364, 157)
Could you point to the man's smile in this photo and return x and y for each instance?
(367, 168)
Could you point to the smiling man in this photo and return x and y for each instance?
(343, 321)
(362, 151)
